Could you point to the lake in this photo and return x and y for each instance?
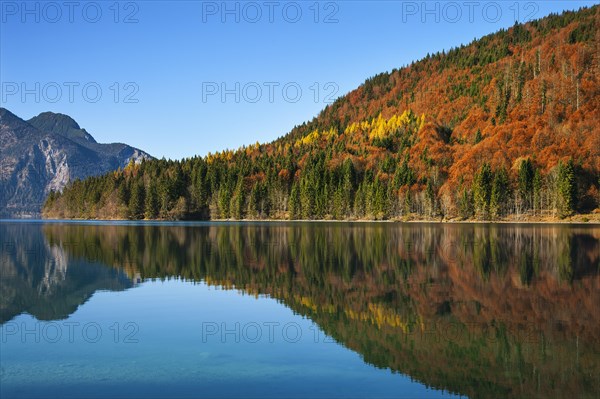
(299, 310)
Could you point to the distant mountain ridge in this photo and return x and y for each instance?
(47, 152)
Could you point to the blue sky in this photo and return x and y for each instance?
(183, 78)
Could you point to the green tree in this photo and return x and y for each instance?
(567, 189)
(360, 202)
(478, 137)
(431, 199)
(237, 200)
(122, 191)
(348, 182)
(339, 204)
(482, 190)
(379, 200)
(254, 202)
(136, 200)
(224, 202)
(294, 202)
(525, 183)
(307, 199)
(500, 193)
(152, 204)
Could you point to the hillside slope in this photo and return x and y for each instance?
(505, 127)
(44, 154)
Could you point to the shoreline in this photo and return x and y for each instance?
(583, 219)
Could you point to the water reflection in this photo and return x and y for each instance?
(481, 310)
(44, 279)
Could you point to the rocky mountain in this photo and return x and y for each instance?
(44, 154)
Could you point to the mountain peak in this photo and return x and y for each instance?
(60, 124)
(59, 118)
(45, 153)
(6, 114)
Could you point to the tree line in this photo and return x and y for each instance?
(282, 186)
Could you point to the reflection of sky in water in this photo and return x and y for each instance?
(175, 357)
(509, 289)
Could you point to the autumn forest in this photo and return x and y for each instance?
(504, 128)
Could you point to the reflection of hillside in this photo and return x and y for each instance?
(43, 280)
(486, 311)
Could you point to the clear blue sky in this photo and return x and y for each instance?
(161, 66)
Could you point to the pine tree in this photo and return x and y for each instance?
(379, 200)
(123, 192)
(478, 137)
(567, 190)
(237, 200)
(482, 190)
(500, 193)
(431, 199)
(360, 202)
(164, 197)
(151, 205)
(526, 175)
(294, 202)
(339, 204)
(349, 178)
(136, 201)
(307, 199)
(224, 202)
(258, 201)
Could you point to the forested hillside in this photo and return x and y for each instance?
(505, 127)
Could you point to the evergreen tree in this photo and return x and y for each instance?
(567, 190)
(224, 202)
(360, 202)
(254, 202)
(294, 203)
(500, 193)
(431, 199)
(478, 137)
(237, 200)
(526, 175)
(349, 178)
(136, 201)
(122, 192)
(482, 190)
(379, 199)
(152, 204)
(339, 204)
(307, 199)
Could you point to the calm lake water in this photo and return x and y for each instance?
(299, 310)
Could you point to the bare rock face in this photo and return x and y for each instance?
(44, 154)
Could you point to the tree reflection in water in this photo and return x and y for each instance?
(481, 310)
